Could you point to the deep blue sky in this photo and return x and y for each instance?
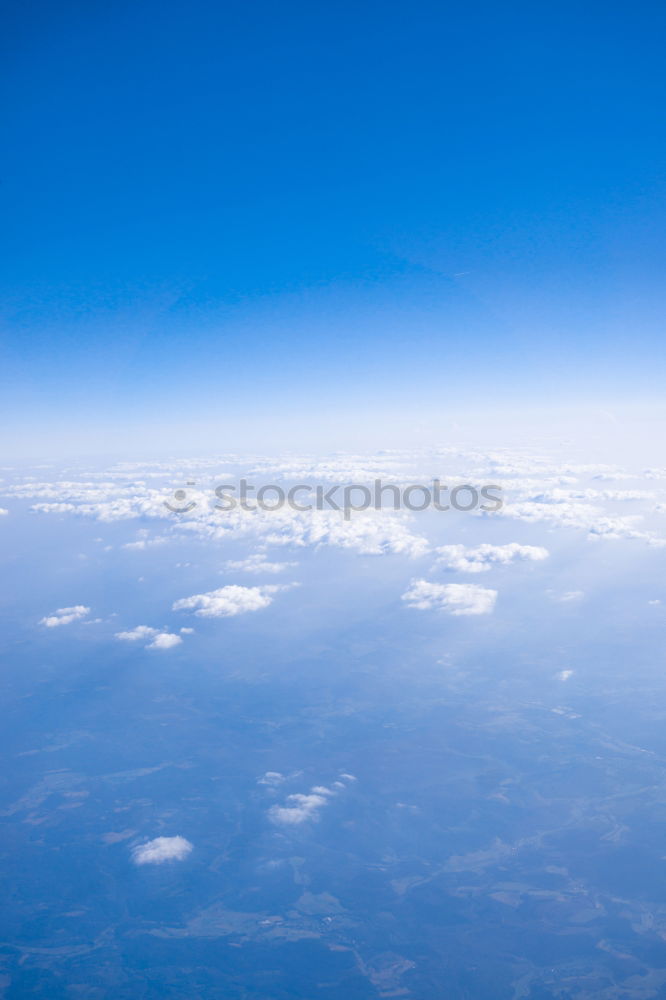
(214, 207)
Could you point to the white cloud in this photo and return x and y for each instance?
(565, 509)
(537, 489)
(564, 675)
(302, 807)
(144, 542)
(3, 511)
(160, 639)
(271, 778)
(161, 849)
(228, 601)
(299, 808)
(480, 559)
(54, 508)
(140, 632)
(164, 640)
(455, 598)
(257, 563)
(65, 616)
(371, 532)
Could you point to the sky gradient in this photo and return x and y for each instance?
(233, 222)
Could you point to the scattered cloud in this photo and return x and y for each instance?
(479, 559)
(257, 563)
(159, 639)
(454, 598)
(302, 807)
(140, 632)
(164, 640)
(225, 602)
(271, 778)
(65, 616)
(564, 675)
(161, 849)
(144, 541)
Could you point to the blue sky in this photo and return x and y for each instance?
(226, 213)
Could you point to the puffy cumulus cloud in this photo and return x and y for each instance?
(158, 639)
(104, 501)
(589, 517)
(564, 675)
(3, 511)
(582, 508)
(301, 807)
(54, 508)
(164, 640)
(225, 602)
(454, 598)
(65, 616)
(135, 634)
(161, 849)
(370, 532)
(482, 557)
